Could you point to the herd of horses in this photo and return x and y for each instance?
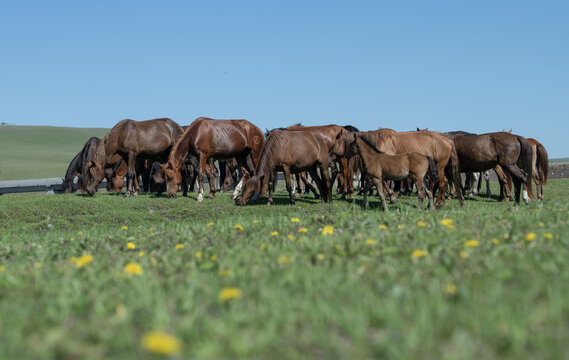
(167, 157)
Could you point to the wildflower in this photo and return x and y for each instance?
(451, 289)
(446, 222)
(239, 227)
(141, 254)
(495, 241)
(73, 259)
(400, 226)
(225, 273)
(421, 223)
(38, 264)
(161, 343)
(383, 227)
(210, 223)
(230, 293)
(80, 233)
(130, 245)
(371, 242)
(199, 254)
(213, 257)
(283, 260)
(255, 221)
(2, 268)
(133, 269)
(179, 246)
(150, 229)
(263, 247)
(290, 237)
(72, 239)
(302, 230)
(83, 260)
(541, 224)
(328, 230)
(463, 254)
(274, 233)
(124, 227)
(548, 236)
(418, 253)
(451, 227)
(471, 243)
(320, 256)
(294, 219)
(530, 237)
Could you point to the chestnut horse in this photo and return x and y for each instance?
(150, 139)
(381, 166)
(485, 151)
(207, 138)
(290, 152)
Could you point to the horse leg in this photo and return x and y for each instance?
(517, 188)
(271, 186)
(308, 185)
(326, 186)
(443, 182)
(427, 191)
(286, 171)
(314, 174)
(378, 182)
(420, 190)
(390, 192)
(487, 180)
(211, 178)
(203, 164)
(130, 173)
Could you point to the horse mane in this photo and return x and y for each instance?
(351, 128)
(370, 144)
(372, 136)
(266, 159)
(183, 141)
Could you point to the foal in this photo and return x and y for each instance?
(381, 166)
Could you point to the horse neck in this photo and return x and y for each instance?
(366, 152)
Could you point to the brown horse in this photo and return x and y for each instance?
(218, 139)
(76, 166)
(290, 152)
(485, 151)
(150, 139)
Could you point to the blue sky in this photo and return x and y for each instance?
(477, 66)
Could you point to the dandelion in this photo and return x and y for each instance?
(328, 230)
(418, 253)
(548, 236)
(263, 247)
(371, 242)
(210, 223)
(471, 243)
(225, 273)
(150, 229)
(141, 254)
(83, 260)
(495, 241)
(80, 233)
(73, 259)
(541, 224)
(213, 257)
(283, 260)
(239, 227)
(199, 255)
(179, 246)
(124, 227)
(72, 239)
(446, 222)
(320, 256)
(161, 343)
(383, 227)
(2, 268)
(294, 219)
(451, 289)
(530, 237)
(133, 269)
(255, 221)
(130, 245)
(230, 293)
(400, 226)
(451, 227)
(302, 230)
(290, 237)
(421, 223)
(274, 233)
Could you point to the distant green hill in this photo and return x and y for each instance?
(31, 152)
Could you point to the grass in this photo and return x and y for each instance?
(357, 293)
(35, 152)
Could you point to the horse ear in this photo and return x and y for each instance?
(340, 134)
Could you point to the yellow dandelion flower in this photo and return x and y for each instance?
(463, 254)
(255, 221)
(210, 223)
(133, 269)
(471, 243)
(320, 256)
(124, 227)
(179, 246)
(199, 254)
(400, 226)
(495, 241)
(2, 268)
(328, 230)
(530, 236)
(80, 233)
(294, 219)
(548, 236)
(446, 222)
(239, 227)
(274, 233)
(418, 253)
(130, 245)
(290, 237)
(213, 257)
(38, 264)
(230, 293)
(371, 242)
(161, 343)
(283, 260)
(73, 259)
(150, 229)
(540, 224)
(302, 230)
(225, 273)
(83, 260)
(451, 289)
(451, 226)
(141, 254)
(383, 227)
(421, 223)
(72, 239)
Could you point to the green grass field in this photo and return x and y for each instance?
(34, 152)
(217, 281)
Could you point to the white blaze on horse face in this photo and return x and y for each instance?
(238, 189)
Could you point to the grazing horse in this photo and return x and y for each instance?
(381, 166)
(485, 151)
(75, 168)
(150, 139)
(207, 138)
(93, 160)
(290, 152)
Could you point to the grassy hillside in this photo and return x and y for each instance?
(30, 152)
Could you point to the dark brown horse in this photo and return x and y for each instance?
(207, 138)
(290, 152)
(381, 166)
(150, 139)
(483, 152)
(76, 166)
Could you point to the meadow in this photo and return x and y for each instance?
(147, 277)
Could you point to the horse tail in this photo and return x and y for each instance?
(454, 165)
(542, 164)
(432, 171)
(527, 155)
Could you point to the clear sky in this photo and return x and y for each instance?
(478, 66)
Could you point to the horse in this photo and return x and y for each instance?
(75, 168)
(485, 151)
(381, 166)
(150, 139)
(290, 152)
(207, 138)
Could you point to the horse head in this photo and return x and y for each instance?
(173, 177)
(93, 176)
(250, 187)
